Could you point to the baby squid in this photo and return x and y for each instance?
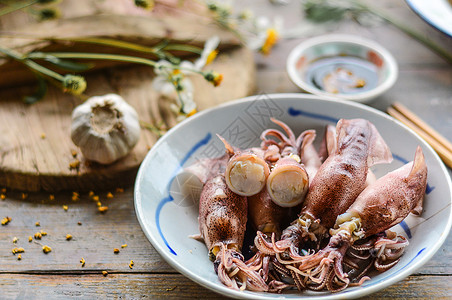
(336, 185)
(222, 224)
(380, 206)
(246, 171)
(288, 181)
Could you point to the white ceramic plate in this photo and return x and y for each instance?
(437, 13)
(168, 215)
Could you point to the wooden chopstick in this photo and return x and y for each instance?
(421, 124)
(440, 144)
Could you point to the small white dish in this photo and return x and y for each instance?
(437, 13)
(342, 66)
(169, 214)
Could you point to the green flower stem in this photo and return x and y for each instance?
(435, 47)
(17, 6)
(95, 56)
(186, 48)
(31, 64)
(102, 56)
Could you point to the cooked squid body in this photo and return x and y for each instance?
(246, 173)
(222, 216)
(380, 206)
(389, 200)
(288, 182)
(222, 223)
(342, 177)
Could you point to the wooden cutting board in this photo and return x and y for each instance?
(35, 145)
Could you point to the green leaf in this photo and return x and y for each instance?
(66, 65)
(40, 92)
(324, 10)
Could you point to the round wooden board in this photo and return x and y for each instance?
(35, 144)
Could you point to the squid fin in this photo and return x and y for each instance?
(229, 149)
(329, 142)
(418, 177)
(379, 152)
(198, 237)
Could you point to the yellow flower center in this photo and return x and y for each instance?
(194, 111)
(212, 55)
(270, 41)
(217, 79)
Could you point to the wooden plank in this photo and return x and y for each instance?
(98, 235)
(174, 286)
(30, 162)
(142, 30)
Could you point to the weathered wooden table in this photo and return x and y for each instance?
(424, 85)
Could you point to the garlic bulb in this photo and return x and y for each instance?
(105, 128)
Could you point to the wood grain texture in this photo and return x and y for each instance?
(424, 85)
(98, 235)
(173, 286)
(32, 163)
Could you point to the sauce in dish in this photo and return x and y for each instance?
(342, 74)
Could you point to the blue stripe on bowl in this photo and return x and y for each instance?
(298, 112)
(169, 198)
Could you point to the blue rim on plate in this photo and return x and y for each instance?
(163, 221)
(437, 13)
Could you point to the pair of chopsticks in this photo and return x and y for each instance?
(439, 143)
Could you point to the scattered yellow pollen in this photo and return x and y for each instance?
(91, 193)
(124, 245)
(74, 164)
(102, 209)
(19, 257)
(18, 250)
(119, 190)
(95, 198)
(38, 236)
(110, 195)
(24, 196)
(270, 41)
(74, 153)
(46, 249)
(6, 220)
(68, 237)
(75, 196)
(30, 239)
(65, 207)
(105, 273)
(99, 204)
(37, 224)
(43, 233)
(116, 251)
(3, 196)
(15, 239)
(176, 72)
(51, 197)
(82, 261)
(212, 55)
(131, 264)
(43, 135)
